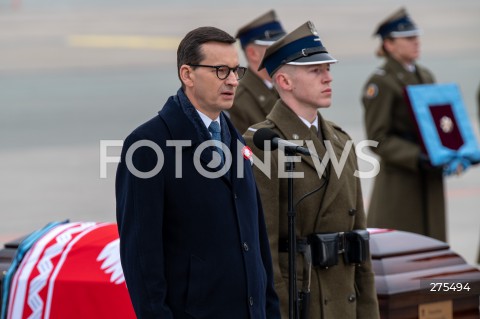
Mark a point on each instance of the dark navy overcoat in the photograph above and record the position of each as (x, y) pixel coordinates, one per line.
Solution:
(191, 246)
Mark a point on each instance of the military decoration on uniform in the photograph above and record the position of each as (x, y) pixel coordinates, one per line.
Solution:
(443, 125)
(371, 91)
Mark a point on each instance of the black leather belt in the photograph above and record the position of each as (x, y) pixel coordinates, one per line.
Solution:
(301, 247)
(302, 244)
(325, 248)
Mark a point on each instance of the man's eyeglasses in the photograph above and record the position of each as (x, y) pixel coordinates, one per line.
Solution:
(223, 71)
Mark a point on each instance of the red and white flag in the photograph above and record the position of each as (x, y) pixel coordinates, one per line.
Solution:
(73, 271)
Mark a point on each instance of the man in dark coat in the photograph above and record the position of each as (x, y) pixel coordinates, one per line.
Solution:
(408, 193)
(331, 203)
(193, 241)
(255, 95)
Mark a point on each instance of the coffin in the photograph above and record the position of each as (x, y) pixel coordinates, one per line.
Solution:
(420, 277)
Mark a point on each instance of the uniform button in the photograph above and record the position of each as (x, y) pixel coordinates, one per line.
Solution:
(245, 246)
(250, 301)
(235, 196)
(352, 211)
(352, 298)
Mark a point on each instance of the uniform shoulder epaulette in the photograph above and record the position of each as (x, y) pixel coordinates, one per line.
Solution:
(380, 72)
(336, 126)
(265, 124)
(339, 130)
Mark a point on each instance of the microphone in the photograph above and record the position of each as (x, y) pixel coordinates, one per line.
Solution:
(266, 134)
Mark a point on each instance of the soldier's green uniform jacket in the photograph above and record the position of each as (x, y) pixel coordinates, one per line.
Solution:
(253, 101)
(341, 291)
(406, 196)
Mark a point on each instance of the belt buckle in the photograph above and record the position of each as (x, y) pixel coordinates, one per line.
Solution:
(301, 245)
(341, 242)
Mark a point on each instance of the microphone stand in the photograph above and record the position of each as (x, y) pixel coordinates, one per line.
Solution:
(292, 240)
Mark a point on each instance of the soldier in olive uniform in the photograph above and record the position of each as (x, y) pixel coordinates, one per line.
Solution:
(300, 68)
(408, 193)
(255, 95)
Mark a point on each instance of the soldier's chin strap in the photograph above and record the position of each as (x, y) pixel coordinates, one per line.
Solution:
(304, 53)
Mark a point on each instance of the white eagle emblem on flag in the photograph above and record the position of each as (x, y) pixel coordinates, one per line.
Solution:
(110, 256)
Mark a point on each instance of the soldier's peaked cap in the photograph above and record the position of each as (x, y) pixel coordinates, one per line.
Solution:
(263, 30)
(397, 25)
(300, 47)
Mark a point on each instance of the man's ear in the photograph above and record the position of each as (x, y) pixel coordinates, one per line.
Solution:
(186, 75)
(251, 53)
(388, 44)
(255, 53)
(283, 80)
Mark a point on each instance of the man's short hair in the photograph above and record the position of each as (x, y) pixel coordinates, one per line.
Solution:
(190, 48)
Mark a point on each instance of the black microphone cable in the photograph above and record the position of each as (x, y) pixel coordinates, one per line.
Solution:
(326, 179)
(266, 134)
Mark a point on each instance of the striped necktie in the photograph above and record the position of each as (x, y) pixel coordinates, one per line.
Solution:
(214, 128)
